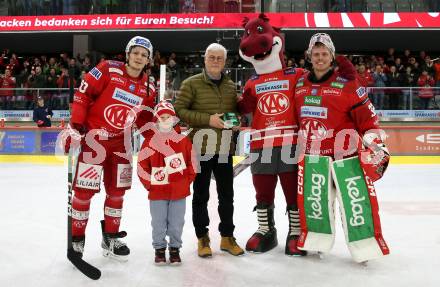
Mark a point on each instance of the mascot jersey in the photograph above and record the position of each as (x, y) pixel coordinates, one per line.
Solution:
(332, 112)
(109, 99)
(274, 122)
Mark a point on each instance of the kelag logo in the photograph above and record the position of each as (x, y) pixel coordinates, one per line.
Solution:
(312, 101)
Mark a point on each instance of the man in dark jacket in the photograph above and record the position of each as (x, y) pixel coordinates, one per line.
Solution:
(203, 100)
(42, 114)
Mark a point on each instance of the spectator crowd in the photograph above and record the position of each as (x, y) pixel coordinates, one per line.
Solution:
(390, 77)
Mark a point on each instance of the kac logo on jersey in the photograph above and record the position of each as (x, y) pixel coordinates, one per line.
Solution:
(272, 86)
(119, 116)
(159, 175)
(313, 130)
(313, 112)
(132, 87)
(126, 97)
(95, 73)
(175, 163)
(273, 104)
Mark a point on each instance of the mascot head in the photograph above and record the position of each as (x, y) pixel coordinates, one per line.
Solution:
(262, 45)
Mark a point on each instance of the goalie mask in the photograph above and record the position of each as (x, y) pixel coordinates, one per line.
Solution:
(324, 39)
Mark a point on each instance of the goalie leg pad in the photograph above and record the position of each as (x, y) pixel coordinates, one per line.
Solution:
(359, 210)
(316, 204)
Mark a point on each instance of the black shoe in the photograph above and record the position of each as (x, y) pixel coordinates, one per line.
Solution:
(175, 256)
(160, 258)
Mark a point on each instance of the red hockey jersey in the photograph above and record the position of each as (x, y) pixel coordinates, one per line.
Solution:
(166, 165)
(110, 100)
(332, 114)
(270, 97)
(7, 83)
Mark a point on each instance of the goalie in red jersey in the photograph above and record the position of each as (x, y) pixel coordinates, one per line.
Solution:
(112, 98)
(344, 154)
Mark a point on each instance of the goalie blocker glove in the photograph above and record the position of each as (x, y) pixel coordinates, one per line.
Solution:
(375, 157)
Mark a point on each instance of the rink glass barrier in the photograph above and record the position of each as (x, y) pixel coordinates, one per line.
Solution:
(389, 102)
(19, 135)
(420, 140)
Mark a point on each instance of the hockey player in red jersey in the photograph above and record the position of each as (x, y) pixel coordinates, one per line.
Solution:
(338, 124)
(328, 102)
(112, 98)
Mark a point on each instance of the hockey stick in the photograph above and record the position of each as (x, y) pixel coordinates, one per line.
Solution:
(85, 268)
(241, 166)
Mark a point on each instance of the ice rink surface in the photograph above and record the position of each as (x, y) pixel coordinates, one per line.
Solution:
(33, 238)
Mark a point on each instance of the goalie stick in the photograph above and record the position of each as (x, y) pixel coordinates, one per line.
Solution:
(85, 268)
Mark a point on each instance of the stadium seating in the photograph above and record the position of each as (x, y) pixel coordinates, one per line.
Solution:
(418, 6)
(299, 5)
(388, 6)
(315, 6)
(373, 6)
(403, 6)
(284, 6)
(357, 6)
(247, 6)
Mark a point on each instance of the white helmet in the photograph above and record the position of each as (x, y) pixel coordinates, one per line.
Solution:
(141, 42)
(323, 38)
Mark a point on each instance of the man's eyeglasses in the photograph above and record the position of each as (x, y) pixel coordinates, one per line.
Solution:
(214, 58)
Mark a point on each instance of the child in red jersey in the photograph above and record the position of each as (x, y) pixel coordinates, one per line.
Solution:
(165, 168)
